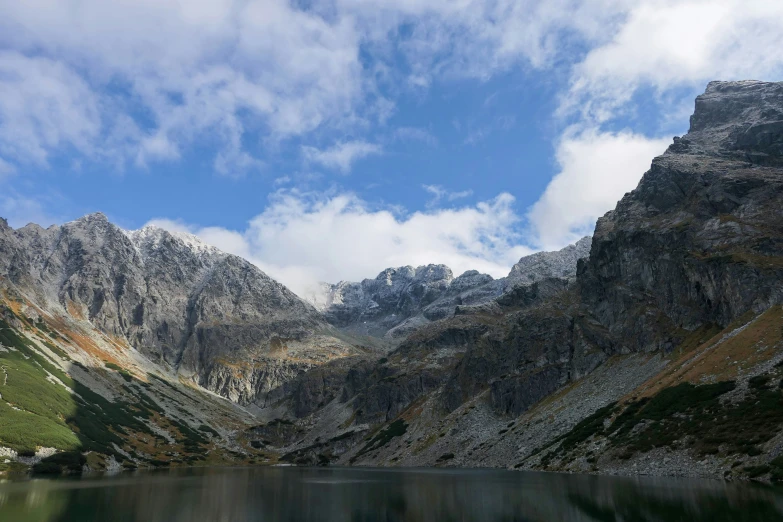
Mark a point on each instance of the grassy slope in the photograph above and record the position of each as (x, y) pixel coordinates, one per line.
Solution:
(42, 406)
(722, 398)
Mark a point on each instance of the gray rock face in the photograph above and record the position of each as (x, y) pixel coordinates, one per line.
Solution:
(739, 120)
(695, 247)
(400, 300)
(214, 317)
(542, 265)
(376, 305)
(700, 240)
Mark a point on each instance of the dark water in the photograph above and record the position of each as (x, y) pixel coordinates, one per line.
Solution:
(339, 494)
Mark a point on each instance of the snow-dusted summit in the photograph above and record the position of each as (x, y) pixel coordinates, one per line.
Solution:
(213, 317)
(399, 300)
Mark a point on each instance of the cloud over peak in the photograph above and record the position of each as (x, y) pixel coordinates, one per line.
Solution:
(303, 238)
(138, 83)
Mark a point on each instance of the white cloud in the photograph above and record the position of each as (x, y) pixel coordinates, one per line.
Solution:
(439, 193)
(221, 68)
(596, 170)
(342, 155)
(21, 210)
(668, 44)
(192, 69)
(165, 73)
(672, 47)
(44, 107)
(301, 239)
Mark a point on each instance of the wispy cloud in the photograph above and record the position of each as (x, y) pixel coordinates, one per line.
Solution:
(342, 155)
(439, 194)
(675, 44)
(478, 134)
(142, 82)
(21, 210)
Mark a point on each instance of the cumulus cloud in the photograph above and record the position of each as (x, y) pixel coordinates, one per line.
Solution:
(675, 44)
(168, 73)
(342, 155)
(672, 48)
(181, 71)
(596, 170)
(301, 239)
(44, 107)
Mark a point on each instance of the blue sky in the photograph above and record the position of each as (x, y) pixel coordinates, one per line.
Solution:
(327, 140)
(466, 136)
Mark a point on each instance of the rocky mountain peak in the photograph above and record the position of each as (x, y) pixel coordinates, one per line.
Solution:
(152, 237)
(93, 218)
(741, 119)
(399, 300)
(425, 273)
(181, 303)
(542, 265)
(712, 203)
(431, 273)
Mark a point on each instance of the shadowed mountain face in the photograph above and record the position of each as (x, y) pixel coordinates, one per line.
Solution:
(700, 240)
(212, 317)
(677, 299)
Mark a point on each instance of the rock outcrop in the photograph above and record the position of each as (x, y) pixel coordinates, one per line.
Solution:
(700, 240)
(681, 288)
(213, 317)
(400, 300)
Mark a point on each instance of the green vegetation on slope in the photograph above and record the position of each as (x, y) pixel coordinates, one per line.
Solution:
(688, 417)
(33, 409)
(41, 406)
(383, 437)
(125, 374)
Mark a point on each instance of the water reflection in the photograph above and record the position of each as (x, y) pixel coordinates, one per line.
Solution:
(337, 494)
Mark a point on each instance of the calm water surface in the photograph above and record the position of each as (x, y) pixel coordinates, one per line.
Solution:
(339, 494)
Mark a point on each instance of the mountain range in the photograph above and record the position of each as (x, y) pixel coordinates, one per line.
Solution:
(652, 347)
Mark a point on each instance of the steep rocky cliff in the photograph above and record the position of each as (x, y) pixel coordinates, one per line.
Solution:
(400, 300)
(648, 362)
(212, 317)
(699, 240)
(661, 352)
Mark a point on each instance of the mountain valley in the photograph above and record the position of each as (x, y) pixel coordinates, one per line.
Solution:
(654, 346)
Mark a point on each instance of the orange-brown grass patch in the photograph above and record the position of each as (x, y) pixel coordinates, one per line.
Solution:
(74, 310)
(277, 346)
(14, 305)
(84, 342)
(723, 360)
(118, 342)
(414, 410)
